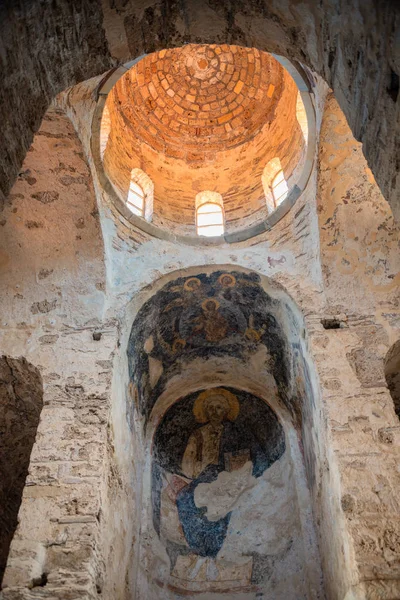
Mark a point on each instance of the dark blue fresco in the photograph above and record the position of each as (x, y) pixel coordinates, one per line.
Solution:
(182, 328)
(256, 430)
(204, 537)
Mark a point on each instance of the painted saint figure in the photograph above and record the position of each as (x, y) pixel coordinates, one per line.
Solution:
(203, 447)
(211, 323)
(220, 462)
(214, 448)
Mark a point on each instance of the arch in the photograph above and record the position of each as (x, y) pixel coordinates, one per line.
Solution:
(264, 224)
(270, 172)
(52, 200)
(140, 194)
(341, 163)
(200, 331)
(209, 214)
(116, 36)
(21, 401)
(392, 374)
(174, 366)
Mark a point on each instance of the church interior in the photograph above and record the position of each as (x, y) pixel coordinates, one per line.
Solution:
(199, 282)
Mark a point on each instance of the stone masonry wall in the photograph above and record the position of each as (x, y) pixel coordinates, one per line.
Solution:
(360, 265)
(21, 400)
(53, 305)
(354, 46)
(83, 471)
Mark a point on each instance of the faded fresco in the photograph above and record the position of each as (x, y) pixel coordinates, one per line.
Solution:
(224, 506)
(215, 314)
(211, 454)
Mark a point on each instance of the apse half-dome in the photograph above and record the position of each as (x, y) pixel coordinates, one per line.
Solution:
(220, 119)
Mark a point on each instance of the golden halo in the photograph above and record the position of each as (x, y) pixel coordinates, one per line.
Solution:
(213, 301)
(201, 403)
(178, 344)
(227, 280)
(191, 284)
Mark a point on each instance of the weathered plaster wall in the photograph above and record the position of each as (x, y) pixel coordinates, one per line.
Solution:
(354, 46)
(21, 400)
(53, 300)
(364, 433)
(360, 266)
(359, 240)
(79, 383)
(250, 342)
(392, 374)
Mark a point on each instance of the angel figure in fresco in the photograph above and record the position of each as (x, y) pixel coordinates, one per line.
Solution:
(211, 323)
(219, 463)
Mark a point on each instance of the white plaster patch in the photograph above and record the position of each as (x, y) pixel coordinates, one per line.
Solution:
(221, 496)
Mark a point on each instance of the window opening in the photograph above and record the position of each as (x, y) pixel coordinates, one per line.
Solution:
(279, 188)
(209, 213)
(140, 194)
(210, 219)
(135, 199)
(301, 116)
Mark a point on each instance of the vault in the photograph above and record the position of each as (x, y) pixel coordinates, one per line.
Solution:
(220, 382)
(222, 314)
(192, 129)
(325, 36)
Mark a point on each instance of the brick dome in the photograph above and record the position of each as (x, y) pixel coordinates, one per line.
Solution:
(192, 101)
(203, 118)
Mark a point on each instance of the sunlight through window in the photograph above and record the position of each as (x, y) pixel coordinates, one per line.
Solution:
(209, 214)
(135, 201)
(279, 188)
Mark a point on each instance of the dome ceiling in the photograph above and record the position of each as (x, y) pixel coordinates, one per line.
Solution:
(202, 118)
(200, 99)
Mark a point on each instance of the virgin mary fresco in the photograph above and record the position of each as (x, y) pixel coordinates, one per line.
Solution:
(221, 459)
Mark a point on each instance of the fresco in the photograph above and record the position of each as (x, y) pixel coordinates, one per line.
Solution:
(210, 452)
(207, 315)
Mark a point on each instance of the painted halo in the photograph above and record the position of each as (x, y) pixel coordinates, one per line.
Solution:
(227, 280)
(199, 408)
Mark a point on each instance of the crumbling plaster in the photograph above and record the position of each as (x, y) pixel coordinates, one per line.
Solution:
(82, 383)
(53, 300)
(354, 46)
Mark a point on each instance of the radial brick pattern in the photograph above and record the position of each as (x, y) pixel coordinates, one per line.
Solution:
(200, 98)
(202, 118)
